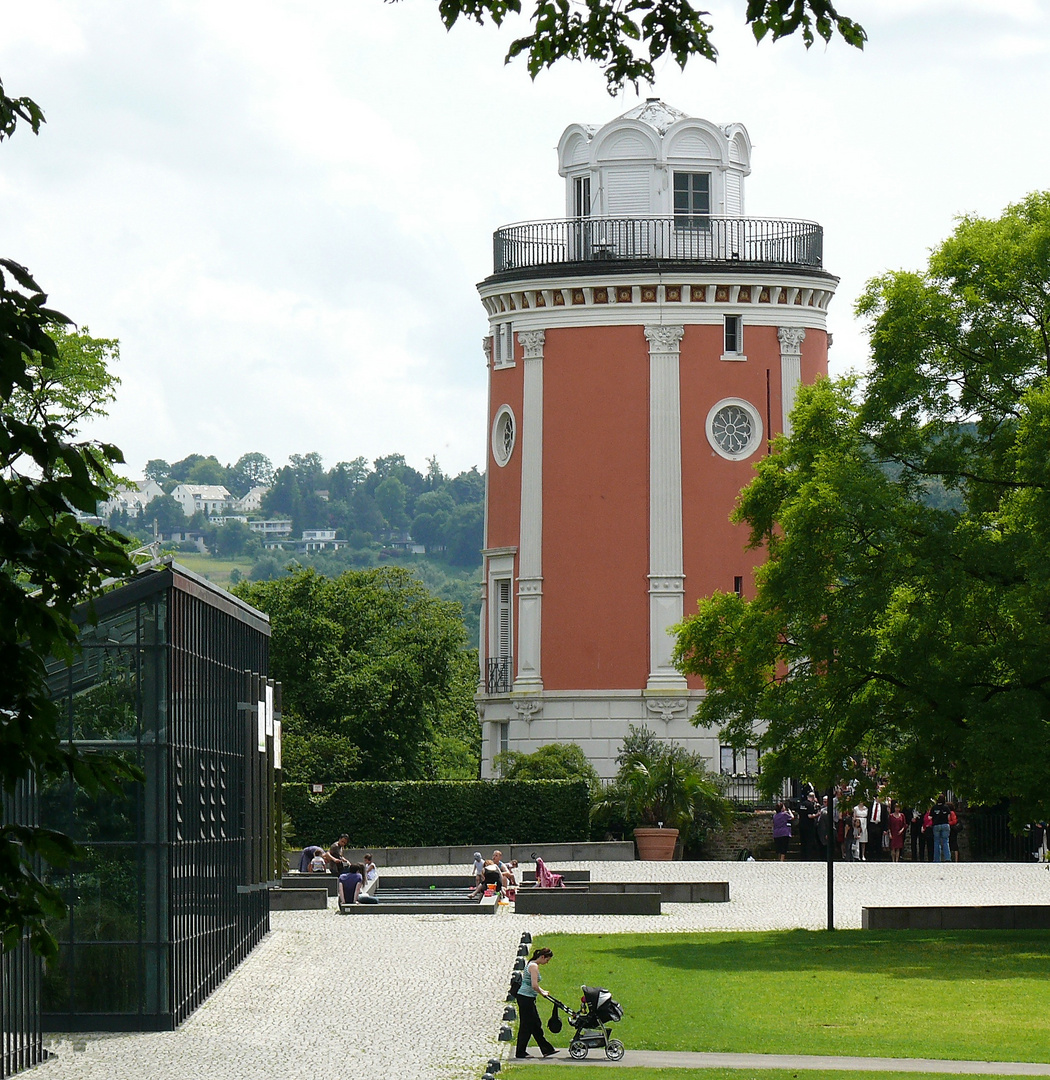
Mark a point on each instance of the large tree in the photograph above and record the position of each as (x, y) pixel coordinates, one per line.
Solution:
(887, 622)
(372, 670)
(49, 562)
(627, 37)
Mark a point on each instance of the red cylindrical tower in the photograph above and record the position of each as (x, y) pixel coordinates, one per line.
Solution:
(643, 351)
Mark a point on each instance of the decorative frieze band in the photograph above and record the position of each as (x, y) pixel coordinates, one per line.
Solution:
(756, 294)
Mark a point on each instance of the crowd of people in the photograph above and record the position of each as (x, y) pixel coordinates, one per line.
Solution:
(494, 875)
(358, 881)
(867, 829)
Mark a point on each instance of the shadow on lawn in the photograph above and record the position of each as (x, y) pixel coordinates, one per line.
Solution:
(946, 954)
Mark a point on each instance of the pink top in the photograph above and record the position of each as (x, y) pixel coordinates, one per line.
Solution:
(545, 879)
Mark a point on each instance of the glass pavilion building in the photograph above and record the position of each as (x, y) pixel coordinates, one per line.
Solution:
(171, 892)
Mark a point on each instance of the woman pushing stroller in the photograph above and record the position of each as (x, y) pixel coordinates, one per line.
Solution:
(529, 1024)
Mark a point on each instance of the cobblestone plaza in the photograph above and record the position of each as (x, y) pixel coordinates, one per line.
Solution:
(420, 997)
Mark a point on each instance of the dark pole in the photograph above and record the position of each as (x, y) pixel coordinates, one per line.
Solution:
(832, 830)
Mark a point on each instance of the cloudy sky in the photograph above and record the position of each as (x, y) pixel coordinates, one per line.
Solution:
(281, 207)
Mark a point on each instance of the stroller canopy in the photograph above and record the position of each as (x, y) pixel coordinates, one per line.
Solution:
(600, 1002)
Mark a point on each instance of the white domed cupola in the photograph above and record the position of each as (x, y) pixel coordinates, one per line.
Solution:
(654, 161)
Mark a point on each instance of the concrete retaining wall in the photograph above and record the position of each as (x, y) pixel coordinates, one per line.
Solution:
(552, 854)
(991, 917)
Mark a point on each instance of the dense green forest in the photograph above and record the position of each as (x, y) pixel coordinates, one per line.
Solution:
(373, 507)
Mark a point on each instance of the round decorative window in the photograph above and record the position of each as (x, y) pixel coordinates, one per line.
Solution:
(734, 428)
(504, 431)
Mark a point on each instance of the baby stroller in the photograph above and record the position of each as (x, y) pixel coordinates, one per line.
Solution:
(597, 1011)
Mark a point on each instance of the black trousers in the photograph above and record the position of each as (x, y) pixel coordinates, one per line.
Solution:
(530, 1026)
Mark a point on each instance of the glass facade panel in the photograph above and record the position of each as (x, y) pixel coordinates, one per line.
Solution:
(106, 978)
(171, 892)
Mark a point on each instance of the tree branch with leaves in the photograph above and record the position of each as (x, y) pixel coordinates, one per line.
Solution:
(627, 38)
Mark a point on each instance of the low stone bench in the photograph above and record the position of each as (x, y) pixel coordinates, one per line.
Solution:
(575, 876)
(671, 892)
(311, 881)
(298, 899)
(990, 917)
(423, 906)
(577, 901)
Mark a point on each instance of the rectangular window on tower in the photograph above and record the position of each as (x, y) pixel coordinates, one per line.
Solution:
(734, 338)
(503, 345)
(500, 660)
(581, 196)
(692, 200)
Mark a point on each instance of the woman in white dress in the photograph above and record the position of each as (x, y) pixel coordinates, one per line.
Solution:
(860, 829)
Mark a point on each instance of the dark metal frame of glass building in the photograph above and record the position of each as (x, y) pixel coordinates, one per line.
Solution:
(172, 892)
(22, 1041)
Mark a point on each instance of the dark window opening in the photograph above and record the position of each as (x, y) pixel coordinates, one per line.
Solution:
(692, 200)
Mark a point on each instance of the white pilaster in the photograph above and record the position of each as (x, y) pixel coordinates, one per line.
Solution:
(530, 562)
(666, 577)
(483, 633)
(790, 369)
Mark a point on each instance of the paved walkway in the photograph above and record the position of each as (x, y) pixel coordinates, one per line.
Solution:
(420, 997)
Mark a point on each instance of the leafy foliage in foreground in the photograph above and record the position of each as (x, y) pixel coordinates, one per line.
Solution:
(886, 625)
(49, 562)
(626, 38)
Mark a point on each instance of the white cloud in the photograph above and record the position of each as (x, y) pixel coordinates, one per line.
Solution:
(282, 208)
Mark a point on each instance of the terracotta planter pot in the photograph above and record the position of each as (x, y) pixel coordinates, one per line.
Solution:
(656, 845)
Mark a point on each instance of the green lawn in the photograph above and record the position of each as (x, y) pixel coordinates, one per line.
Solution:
(981, 995)
(562, 1072)
(213, 568)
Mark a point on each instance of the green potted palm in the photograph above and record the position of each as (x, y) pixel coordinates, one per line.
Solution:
(661, 792)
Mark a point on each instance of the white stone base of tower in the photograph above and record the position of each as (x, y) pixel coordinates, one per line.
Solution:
(596, 720)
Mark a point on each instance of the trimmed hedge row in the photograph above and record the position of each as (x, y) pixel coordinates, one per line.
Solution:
(416, 813)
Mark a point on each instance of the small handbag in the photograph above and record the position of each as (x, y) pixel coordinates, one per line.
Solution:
(554, 1023)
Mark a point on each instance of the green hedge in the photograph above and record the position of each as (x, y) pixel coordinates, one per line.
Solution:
(425, 813)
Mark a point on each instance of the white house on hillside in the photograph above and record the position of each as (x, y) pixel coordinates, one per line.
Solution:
(272, 527)
(204, 498)
(251, 502)
(131, 500)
